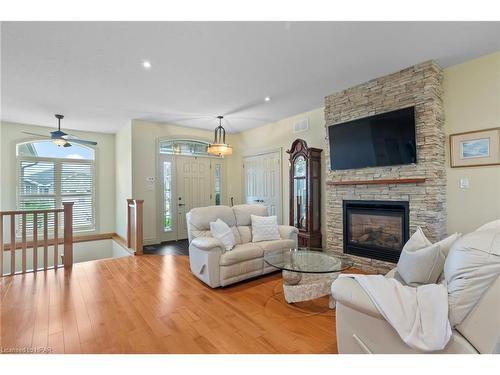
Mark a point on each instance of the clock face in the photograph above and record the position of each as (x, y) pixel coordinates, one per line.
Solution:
(299, 169)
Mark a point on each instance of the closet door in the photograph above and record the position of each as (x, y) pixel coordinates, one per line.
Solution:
(263, 181)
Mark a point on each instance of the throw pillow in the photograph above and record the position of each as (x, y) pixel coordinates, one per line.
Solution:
(422, 266)
(420, 262)
(223, 233)
(417, 241)
(265, 228)
(495, 225)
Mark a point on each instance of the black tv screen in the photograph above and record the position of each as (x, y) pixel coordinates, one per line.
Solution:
(380, 140)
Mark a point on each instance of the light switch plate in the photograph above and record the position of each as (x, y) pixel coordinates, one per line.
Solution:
(464, 183)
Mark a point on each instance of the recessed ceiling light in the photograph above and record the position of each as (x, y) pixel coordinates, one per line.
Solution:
(267, 99)
(146, 65)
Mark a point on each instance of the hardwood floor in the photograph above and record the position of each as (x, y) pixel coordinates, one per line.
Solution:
(180, 247)
(153, 304)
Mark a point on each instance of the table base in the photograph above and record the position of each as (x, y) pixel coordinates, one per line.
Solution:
(300, 287)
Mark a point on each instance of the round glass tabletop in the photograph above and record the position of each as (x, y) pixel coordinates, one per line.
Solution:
(307, 260)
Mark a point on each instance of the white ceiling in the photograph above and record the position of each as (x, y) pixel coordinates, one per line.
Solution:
(92, 72)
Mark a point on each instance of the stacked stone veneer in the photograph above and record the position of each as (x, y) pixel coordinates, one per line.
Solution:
(419, 86)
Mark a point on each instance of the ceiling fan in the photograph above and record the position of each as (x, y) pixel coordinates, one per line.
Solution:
(61, 138)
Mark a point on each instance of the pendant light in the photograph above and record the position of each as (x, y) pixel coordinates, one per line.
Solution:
(219, 147)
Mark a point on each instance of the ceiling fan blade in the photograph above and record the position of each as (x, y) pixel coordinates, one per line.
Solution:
(69, 136)
(38, 135)
(82, 141)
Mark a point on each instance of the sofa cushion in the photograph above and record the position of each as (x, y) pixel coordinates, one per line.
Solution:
(265, 228)
(242, 213)
(288, 232)
(201, 217)
(472, 265)
(241, 253)
(276, 245)
(245, 233)
(236, 235)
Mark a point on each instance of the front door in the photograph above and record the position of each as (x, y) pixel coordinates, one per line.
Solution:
(193, 188)
(263, 181)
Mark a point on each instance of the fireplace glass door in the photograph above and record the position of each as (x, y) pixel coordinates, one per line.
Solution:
(376, 229)
(372, 230)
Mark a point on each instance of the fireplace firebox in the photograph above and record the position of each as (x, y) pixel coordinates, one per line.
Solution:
(375, 229)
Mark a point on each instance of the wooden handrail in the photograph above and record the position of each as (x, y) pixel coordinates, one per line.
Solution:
(14, 245)
(135, 211)
(8, 213)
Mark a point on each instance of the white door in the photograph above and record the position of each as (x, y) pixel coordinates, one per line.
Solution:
(263, 181)
(193, 188)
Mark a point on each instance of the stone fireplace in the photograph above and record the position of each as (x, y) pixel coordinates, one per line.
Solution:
(422, 185)
(375, 229)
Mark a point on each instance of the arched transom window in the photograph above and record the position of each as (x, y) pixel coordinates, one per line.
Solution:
(184, 147)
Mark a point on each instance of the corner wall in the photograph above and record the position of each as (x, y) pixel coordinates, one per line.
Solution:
(472, 102)
(123, 176)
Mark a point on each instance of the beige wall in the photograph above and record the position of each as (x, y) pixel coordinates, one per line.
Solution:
(472, 102)
(280, 135)
(123, 176)
(11, 134)
(145, 138)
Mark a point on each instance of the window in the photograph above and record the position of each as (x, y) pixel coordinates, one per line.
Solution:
(167, 196)
(49, 175)
(184, 147)
(218, 183)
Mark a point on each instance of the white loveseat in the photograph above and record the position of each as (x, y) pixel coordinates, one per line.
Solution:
(207, 257)
(362, 329)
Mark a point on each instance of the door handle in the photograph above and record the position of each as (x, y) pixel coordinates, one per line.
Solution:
(181, 204)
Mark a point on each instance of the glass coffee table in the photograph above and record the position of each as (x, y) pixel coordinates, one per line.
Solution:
(308, 273)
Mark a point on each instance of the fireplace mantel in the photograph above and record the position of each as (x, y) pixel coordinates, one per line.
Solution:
(378, 182)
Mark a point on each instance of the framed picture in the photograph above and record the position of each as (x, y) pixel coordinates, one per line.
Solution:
(475, 148)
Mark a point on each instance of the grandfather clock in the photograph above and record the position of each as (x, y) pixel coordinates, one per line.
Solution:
(305, 192)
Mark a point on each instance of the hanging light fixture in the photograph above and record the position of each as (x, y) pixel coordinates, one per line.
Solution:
(219, 147)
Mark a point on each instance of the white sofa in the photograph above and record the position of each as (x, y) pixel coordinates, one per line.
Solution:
(362, 329)
(217, 267)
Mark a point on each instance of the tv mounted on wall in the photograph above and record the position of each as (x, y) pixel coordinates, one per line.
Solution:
(380, 140)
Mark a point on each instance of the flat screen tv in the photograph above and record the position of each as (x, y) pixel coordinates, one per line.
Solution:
(380, 140)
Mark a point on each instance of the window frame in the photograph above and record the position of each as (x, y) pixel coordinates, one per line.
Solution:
(58, 196)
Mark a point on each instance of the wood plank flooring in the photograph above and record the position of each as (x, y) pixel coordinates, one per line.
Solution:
(153, 304)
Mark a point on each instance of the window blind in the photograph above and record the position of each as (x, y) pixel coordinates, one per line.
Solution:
(45, 184)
